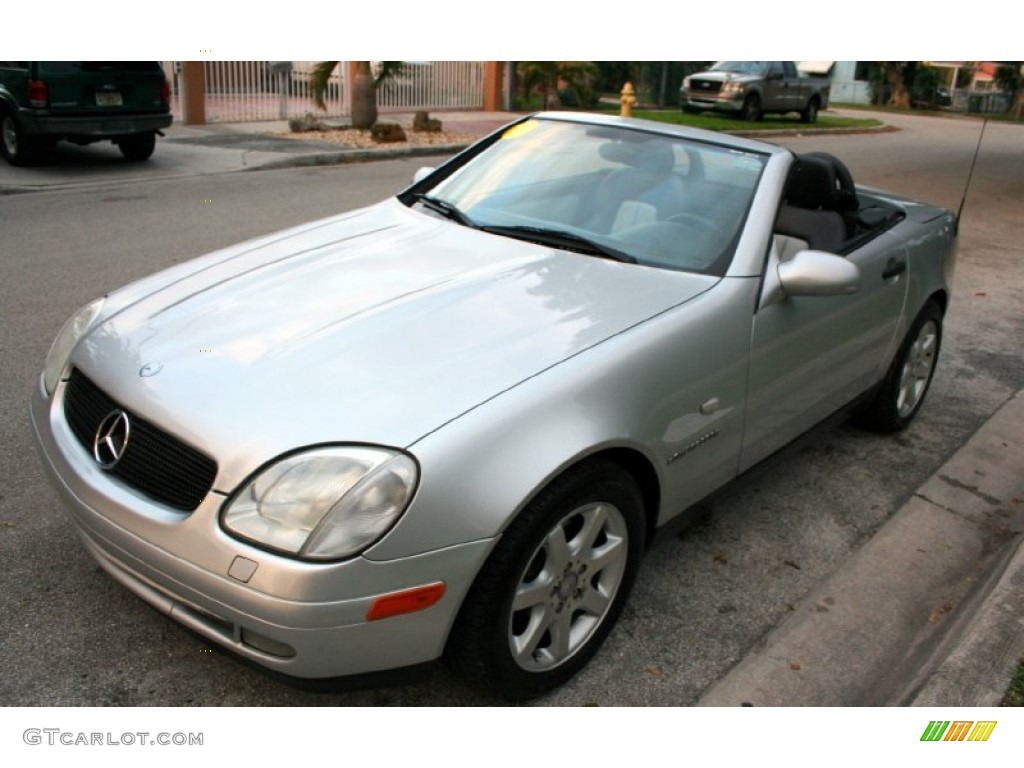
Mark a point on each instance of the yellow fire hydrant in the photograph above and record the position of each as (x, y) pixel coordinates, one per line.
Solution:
(628, 99)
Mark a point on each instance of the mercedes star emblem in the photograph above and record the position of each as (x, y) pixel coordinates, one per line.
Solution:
(111, 439)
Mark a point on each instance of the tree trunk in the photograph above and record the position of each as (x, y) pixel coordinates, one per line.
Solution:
(899, 95)
(364, 102)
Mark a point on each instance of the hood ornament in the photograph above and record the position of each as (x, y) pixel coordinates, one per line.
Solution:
(150, 369)
(111, 439)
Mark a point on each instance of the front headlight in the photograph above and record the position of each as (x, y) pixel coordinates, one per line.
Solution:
(73, 330)
(733, 87)
(324, 504)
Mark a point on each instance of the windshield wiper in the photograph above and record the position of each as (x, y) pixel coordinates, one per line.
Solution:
(446, 209)
(561, 239)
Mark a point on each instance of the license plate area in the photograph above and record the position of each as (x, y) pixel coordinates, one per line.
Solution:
(109, 99)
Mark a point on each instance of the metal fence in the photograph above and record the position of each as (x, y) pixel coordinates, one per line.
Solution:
(434, 85)
(243, 91)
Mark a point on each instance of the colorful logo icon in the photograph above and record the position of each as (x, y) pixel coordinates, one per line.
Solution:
(959, 730)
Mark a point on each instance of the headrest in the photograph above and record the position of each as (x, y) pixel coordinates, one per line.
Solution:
(820, 181)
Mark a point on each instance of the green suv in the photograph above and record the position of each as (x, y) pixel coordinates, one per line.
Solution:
(42, 102)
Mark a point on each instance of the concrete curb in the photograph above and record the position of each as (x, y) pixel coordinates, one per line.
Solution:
(982, 650)
(344, 156)
(768, 134)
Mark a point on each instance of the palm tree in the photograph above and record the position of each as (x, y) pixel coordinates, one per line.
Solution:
(364, 88)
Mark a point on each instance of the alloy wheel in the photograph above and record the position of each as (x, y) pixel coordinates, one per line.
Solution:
(568, 586)
(917, 369)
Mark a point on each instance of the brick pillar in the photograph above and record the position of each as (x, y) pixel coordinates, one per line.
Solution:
(193, 95)
(350, 83)
(493, 71)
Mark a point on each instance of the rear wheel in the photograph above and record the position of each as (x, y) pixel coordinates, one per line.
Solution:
(906, 384)
(137, 148)
(554, 586)
(810, 114)
(16, 147)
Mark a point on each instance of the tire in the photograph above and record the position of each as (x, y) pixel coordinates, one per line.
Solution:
(554, 585)
(810, 115)
(751, 108)
(16, 147)
(903, 390)
(137, 148)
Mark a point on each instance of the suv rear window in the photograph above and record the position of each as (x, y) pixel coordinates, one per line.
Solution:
(63, 67)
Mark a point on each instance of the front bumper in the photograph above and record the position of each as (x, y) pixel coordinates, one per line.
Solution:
(732, 102)
(95, 127)
(304, 620)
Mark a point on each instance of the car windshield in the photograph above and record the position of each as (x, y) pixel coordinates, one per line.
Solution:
(741, 67)
(656, 200)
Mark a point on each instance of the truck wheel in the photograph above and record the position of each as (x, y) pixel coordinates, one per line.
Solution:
(810, 114)
(751, 108)
(16, 147)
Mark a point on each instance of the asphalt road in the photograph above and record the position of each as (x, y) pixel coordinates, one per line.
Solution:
(70, 636)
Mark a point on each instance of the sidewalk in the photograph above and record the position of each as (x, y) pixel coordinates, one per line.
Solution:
(266, 144)
(928, 612)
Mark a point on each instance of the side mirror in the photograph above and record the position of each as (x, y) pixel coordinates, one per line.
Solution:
(422, 173)
(816, 273)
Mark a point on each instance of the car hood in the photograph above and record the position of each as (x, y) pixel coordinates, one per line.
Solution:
(377, 327)
(722, 76)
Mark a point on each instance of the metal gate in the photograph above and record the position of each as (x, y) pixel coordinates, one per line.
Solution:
(243, 91)
(434, 85)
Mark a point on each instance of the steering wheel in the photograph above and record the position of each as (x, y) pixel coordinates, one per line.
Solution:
(701, 222)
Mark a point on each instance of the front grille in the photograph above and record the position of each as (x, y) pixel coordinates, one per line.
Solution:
(705, 86)
(154, 462)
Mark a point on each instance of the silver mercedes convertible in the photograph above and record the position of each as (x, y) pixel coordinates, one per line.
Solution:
(448, 424)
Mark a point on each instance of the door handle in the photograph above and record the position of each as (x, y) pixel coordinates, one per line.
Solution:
(894, 268)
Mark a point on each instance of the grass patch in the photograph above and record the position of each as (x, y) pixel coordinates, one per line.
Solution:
(714, 122)
(1015, 693)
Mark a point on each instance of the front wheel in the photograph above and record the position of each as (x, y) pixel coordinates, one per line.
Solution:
(903, 390)
(554, 586)
(751, 108)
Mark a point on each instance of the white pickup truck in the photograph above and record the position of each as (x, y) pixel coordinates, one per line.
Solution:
(752, 88)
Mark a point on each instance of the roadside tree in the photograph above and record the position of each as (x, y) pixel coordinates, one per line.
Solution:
(364, 88)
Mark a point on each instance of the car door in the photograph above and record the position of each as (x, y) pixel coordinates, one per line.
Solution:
(810, 355)
(795, 89)
(775, 97)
